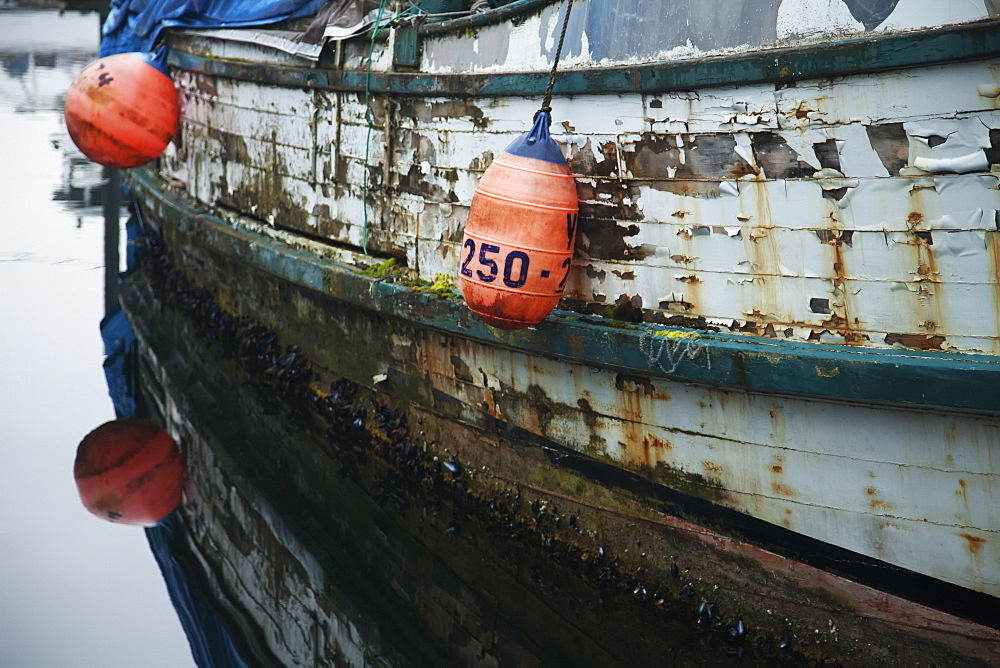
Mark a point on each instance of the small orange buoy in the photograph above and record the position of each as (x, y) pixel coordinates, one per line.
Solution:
(520, 233)
(129, 472)
(122, 110)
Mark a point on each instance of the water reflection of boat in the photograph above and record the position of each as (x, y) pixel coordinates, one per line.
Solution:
(38, 59)
(306, 555)
(82, 182)
(784, 316)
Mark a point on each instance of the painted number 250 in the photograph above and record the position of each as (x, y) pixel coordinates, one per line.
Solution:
(520, 258)
(516, 265)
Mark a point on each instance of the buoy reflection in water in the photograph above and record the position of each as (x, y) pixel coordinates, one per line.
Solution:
(129, 472)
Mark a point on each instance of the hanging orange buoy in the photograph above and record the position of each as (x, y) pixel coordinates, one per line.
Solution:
(519, 237)
(129, 472)
(122, 110)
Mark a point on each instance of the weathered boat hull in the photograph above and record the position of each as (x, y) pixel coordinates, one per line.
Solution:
(481, 546)
(784, 292)
(907, 486)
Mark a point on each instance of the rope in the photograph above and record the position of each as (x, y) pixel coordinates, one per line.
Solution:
(414, 8)
(413, 12)
(547, 100)
(370, 122)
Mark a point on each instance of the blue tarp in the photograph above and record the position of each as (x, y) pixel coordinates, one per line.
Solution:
(118, 337)
(118, 341)
(211, 643)
(135, 25)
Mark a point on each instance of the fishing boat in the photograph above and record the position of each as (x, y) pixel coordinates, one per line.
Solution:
(779, 334)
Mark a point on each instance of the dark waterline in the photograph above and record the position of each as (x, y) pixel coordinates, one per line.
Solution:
(75, 591)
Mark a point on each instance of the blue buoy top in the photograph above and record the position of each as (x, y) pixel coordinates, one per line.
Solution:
(538, 143)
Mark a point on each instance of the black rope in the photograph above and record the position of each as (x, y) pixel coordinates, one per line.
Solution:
(547, 101)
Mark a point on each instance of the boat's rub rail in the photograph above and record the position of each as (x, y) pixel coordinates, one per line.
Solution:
(939, 380)
(782, 64)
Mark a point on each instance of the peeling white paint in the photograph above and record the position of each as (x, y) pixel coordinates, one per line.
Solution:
(990, 89)
(962, 164)
(842, 229)
(913, 14)
(831, 179)
(804, 18)
(743, 148)
(527, 46)
(962, 243)
(857, 157)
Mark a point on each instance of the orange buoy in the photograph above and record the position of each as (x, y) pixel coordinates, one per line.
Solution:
(520, 234)
(129, 472)
(122, 110)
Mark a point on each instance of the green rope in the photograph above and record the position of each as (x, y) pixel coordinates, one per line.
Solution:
(370, 121)
(416, 11)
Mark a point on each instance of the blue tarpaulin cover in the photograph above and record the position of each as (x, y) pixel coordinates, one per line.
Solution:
(135, 25)
(212, 645)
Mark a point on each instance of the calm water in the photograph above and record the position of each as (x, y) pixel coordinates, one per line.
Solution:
(74, 591)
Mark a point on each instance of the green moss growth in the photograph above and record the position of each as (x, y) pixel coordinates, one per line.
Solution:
(380, 270)
(618, 324)
(443, 285)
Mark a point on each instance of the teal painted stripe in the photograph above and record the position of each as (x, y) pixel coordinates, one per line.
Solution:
(891, 376)
(857, 56)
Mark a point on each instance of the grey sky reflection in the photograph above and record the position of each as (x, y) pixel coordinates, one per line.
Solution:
(74, 591)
